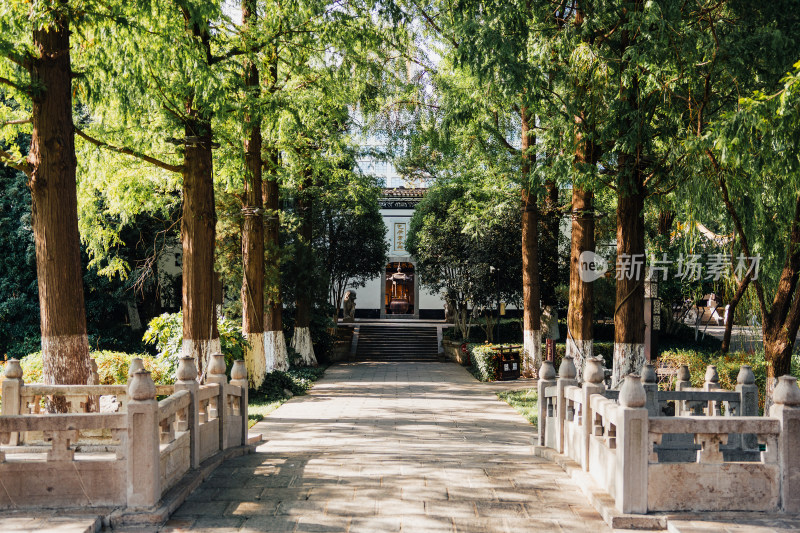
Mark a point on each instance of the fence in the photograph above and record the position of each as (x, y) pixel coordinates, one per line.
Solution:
(700, 449)
(126, 455)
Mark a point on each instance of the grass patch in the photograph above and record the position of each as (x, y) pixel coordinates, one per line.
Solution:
(278, 388)
(524, 401)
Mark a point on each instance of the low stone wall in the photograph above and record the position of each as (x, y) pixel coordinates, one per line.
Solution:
(683, 450)
(452, 351)
(127, 457)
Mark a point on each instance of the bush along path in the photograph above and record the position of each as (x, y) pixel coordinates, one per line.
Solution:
(278, 387)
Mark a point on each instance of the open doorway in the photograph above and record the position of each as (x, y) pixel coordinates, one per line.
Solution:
(399, 298)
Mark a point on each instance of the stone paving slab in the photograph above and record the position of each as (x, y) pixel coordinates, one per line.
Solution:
(391, 447)
(49, 521)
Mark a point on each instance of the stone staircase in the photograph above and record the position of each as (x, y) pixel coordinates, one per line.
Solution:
(397, 343)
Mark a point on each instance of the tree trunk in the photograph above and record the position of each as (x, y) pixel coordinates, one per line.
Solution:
(275, 351)
(198, 233)
(253, 230)
(741, 287)
(531, 318)
(301, 340)
(580, 337)
(54, 209)
(548, 246)
(629, 326)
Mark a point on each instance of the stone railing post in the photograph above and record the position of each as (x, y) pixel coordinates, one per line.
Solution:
(594, 374)
(547, 378)
(683, 381)
(786, 408)
(650, 384)
(187, 380)
(239, 378)
(566, 378)
(216, 374)
(143, 457)
(12, 389)
(712, 383)
(632, 447)
(748, 401)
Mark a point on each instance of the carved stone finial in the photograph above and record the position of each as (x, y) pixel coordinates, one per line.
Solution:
(567, 368)
(632, 393)
(13, 369)
(239, 371)
(136, 365)
(683, 373)
(649, 374)
(547, 372)
(217, 365)
(745, 376)
(187, 369)
(141, 386)
(594, 371)
(786, 392)
(711, 374)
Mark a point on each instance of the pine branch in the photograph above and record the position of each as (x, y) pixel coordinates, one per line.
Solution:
(18, 87)
(130, 152)
(10, 161)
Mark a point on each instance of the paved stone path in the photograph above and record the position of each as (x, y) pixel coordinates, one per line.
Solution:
(386, 447)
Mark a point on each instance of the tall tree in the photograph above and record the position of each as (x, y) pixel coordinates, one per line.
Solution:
(42, 67)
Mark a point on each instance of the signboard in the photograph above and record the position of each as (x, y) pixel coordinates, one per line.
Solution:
(400, 236)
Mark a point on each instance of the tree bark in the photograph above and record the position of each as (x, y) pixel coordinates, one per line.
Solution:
(548, 245)
(531, 317)
(580, 337)
(629, 326)
(253, 228)
(301, 340)
(54, 209)
(198, 233)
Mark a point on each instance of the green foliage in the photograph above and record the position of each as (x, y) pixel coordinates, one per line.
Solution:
(525, 401)
(485, 362)
(165, 332)
(455, 260)
(112, 367)
(727, 367)
(296, 380)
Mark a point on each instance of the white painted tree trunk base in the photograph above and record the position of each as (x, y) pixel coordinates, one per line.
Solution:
(255, 361)
(628, 359)
(275, 355)
(580, 350)
(532, 352)
(59, 351)
(201, 351)
(301, 343)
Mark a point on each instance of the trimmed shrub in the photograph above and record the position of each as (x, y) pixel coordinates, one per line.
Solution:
(485, 361)
(112, 367)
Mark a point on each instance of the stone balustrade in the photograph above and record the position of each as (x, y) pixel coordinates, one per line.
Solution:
(693, 449)
(54, 460)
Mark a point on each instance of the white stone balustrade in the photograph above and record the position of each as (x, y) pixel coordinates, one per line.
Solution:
(620, 439)
(148, 447)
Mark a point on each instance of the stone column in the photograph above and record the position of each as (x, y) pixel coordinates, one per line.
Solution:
(650, 384)
(748, 402)
(187, 380)
(712, 383)
(683, 382)
(12, 388)
(216, 374)
(547, 378)
(566, 378)
(632, 447)
(239, 379)
(143, 457)
(594, 375)
(786, 408)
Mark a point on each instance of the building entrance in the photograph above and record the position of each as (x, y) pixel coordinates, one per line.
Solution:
(399, 296)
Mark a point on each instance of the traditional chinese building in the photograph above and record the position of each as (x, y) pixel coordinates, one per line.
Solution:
(396, 292)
